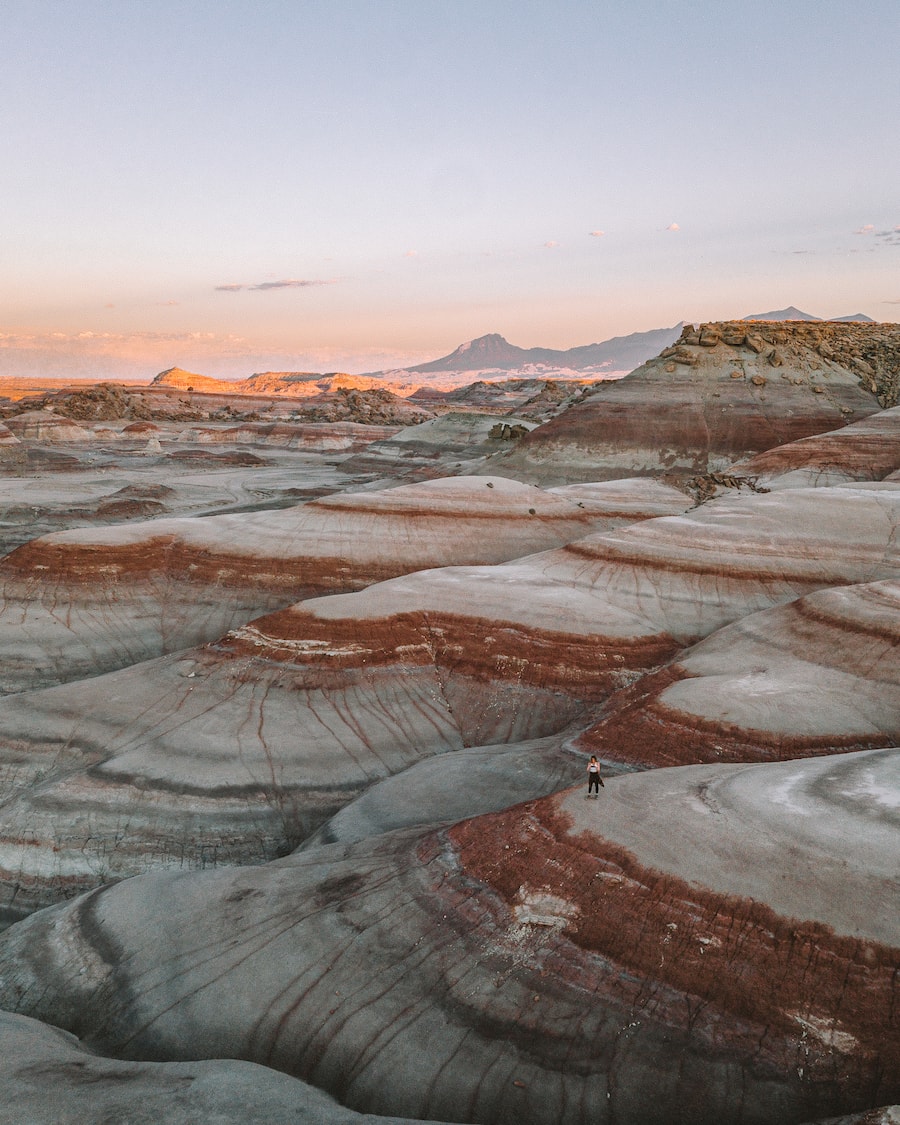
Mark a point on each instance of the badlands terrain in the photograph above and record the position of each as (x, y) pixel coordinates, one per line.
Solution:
(299, 678)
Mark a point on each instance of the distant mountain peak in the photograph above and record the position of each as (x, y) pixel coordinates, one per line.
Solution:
(494, 351)
(491, 340)
(793, 313)
(790, 313)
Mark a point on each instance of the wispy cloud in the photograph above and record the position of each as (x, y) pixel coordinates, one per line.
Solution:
(673, 227)
(286, 283)
(551, 245)
(597, 233)
(411, 254)
(113, 341)
(890, 237)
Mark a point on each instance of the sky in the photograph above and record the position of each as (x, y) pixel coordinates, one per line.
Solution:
(233, 186)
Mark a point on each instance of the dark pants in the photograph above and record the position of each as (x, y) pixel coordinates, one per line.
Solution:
(594, 782)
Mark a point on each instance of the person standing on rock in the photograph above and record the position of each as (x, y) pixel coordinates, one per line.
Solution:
(594, 778)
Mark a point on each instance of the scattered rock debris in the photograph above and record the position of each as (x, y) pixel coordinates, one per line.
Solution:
(706, 486)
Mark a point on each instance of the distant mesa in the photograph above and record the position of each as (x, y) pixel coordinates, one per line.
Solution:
(491, 353)
(188, 380)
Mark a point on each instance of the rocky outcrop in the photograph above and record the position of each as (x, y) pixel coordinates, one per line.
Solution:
(814, 676)
(377, 406)
(104, 402)
(722, 393)
(647, 957)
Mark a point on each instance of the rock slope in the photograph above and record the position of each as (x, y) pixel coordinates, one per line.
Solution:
(642, 959)
(821, 673)
(80, 602)
(48, 1078)
(723, 392)
(866, 450)
(236, 751)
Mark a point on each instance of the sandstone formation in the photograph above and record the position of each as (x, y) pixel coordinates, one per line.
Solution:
(641, 959)
(291, 384)
(135, 591)
(816, 675)
(723, 392)
(43, 489)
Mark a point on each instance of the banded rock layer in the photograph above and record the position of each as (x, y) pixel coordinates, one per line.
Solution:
(84, 601)
(721, 393)
(868, 450)
(238, 750)
(640, 960)
(819, 674)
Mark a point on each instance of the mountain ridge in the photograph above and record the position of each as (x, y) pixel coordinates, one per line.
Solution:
(793, 313)
(494, 351)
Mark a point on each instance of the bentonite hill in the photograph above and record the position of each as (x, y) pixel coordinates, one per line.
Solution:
(299, 680)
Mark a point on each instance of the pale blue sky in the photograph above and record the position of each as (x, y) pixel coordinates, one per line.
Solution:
(424, 172)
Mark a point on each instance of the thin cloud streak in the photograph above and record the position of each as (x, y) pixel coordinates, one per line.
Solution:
(287, 283)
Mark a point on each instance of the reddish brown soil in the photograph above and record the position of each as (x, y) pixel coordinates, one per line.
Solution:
(674, 951)
(587, 667)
